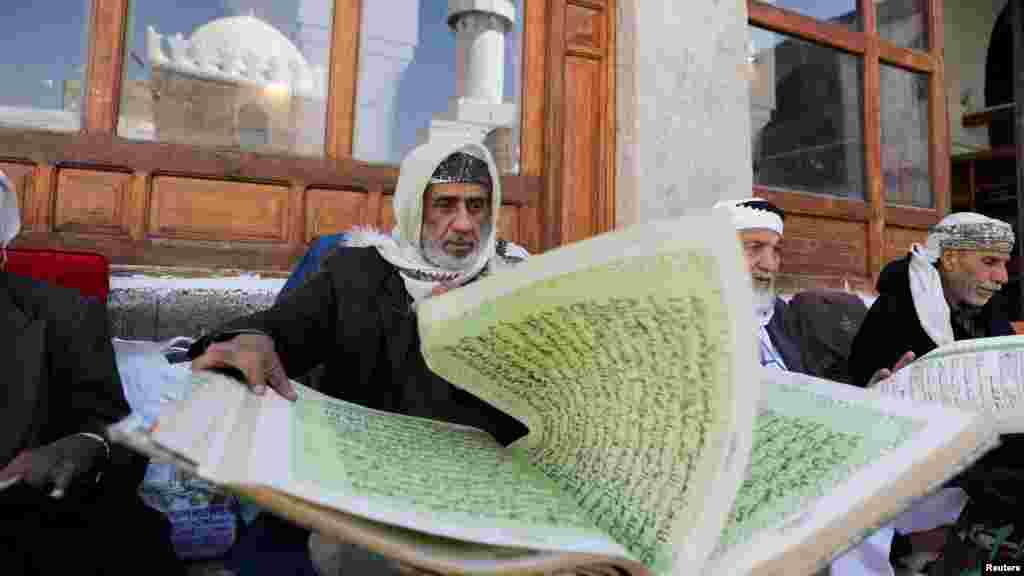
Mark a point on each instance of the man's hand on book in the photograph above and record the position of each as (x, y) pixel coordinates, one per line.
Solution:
(254, 356)
(55, 466)
(884, 373)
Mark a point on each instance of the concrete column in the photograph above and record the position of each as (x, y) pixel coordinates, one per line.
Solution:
(684, 123)
(480, 49)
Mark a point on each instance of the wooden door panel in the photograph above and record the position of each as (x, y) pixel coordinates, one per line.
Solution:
(334, 211)
(191, 208)
(93, 202)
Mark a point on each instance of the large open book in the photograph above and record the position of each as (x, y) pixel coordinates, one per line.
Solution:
(656, 443)
(984, 375)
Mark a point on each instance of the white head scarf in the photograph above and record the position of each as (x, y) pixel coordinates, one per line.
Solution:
(964, 231)
(10, 217)
(750, 214)
(403, 247)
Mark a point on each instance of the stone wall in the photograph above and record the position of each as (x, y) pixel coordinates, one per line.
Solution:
(148, 307)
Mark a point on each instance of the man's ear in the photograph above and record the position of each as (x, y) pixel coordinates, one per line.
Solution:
(949, 261)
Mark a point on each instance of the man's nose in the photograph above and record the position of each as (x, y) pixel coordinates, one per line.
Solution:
(463, 221)
(1000, 275)
(768, 261)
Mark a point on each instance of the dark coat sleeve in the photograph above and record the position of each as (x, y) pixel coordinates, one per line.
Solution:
(303, 324)
(84, 360)
(879, 342)
(84, 388)
(83, 352)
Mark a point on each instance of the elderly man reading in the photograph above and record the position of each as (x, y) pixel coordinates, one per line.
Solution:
(759, 225)
(356, 315)
(944, 291)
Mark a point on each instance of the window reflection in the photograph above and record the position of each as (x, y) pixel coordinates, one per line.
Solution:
(43, 63)
(905, 169)
(408, 75)
(904, 22)
(236, 73)
(844, 12)
(806, 112)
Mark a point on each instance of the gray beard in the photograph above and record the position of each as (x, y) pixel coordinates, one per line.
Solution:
(433, 252)
(764, 301)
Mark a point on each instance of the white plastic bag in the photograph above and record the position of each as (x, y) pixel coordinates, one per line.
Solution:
(203, 522)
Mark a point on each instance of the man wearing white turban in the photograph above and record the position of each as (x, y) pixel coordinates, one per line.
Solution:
(67, 496)
(759, 225)
(944, 291)
(356, 315)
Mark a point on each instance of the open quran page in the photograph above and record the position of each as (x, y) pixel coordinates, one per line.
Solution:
(421, 475)
(631, 359)
(984, 375)
(830, 464)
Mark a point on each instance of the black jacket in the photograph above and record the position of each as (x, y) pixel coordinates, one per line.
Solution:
(892, 327)
(59, 378)
(355, 317)
(823, 323)
(59, 373)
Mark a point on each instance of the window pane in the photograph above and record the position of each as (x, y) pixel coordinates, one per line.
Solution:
(408, 78)
(806, 116)
(904, 22)
(239, 73)
(905, 169)
(844, 12)
(42, 62)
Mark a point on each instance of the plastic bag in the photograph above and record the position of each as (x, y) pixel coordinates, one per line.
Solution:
(203, 522)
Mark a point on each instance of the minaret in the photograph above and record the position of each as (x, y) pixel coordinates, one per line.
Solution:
(480, 27)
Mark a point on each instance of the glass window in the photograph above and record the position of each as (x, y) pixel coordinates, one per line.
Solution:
(237, 73)
(806, 115)
(903, 22)
(43, 62)
(409, 75)
(905, 170)
(844, 12)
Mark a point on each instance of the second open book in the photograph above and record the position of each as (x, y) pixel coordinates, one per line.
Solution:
(656, 445)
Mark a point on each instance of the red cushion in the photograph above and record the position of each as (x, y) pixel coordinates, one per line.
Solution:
(87, 272)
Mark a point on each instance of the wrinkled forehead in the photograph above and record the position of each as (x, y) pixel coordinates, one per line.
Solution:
(980, 255)
(456, 191)
(760, 235)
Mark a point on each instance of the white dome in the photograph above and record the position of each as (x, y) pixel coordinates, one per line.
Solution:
(249, 41)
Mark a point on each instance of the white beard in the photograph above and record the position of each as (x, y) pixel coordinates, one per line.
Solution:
(764, 303)
(433, 252)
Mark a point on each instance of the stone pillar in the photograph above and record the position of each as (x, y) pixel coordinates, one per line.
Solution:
(480, 27)
(684, 119)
